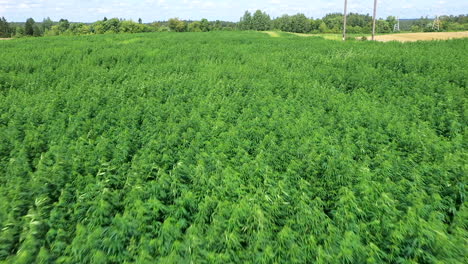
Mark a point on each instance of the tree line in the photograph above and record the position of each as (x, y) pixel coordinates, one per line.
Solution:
(259, 20)
(447, 23)
(333, 23)
(106, 26)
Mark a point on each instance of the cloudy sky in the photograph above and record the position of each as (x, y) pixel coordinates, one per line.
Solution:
(230, 10)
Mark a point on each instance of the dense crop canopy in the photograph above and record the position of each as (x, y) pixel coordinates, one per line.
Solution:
(232, 148)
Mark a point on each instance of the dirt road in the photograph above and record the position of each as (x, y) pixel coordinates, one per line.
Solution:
(409, 37)
(402, 37)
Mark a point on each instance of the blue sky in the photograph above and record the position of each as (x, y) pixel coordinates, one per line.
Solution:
(230, 10)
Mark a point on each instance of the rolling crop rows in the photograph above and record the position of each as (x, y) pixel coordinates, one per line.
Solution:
(232, 147)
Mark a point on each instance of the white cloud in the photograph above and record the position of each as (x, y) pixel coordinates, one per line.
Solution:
(150, 10)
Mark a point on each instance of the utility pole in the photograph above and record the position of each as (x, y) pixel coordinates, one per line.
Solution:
(396, 27)
(344, 19)
(436, 24)
(373, 20)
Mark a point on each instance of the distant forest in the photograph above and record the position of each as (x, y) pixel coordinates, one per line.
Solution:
(261, 21)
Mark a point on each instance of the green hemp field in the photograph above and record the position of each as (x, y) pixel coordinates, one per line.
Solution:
(232, 147)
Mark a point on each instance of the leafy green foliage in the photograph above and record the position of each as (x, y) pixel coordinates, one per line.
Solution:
(177, 25)
(232, 147)
(5, 28)
(29, 27)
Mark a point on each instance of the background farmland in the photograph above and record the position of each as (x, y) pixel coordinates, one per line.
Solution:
(232, 147)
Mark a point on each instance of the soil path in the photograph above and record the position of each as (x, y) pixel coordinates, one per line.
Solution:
(402, 37)
(272, 34)
(409, 37)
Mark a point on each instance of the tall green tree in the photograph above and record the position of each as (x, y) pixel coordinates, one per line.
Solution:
(355, 19)
(315, 24)
(112, 25)
(29, 27)
(323, 28)
(392, 21)
(79, 29)
(129, 26)
(217, 25)
(63, 25)
(334, 22)
(205, 25)
(383, 26)
(195, 27)
(47, 24)
(300, 23)
(246, 21)
(5, 30)
(261, 21)
(177, 25)
(283, 23)
(19, 32)
(37, 32)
